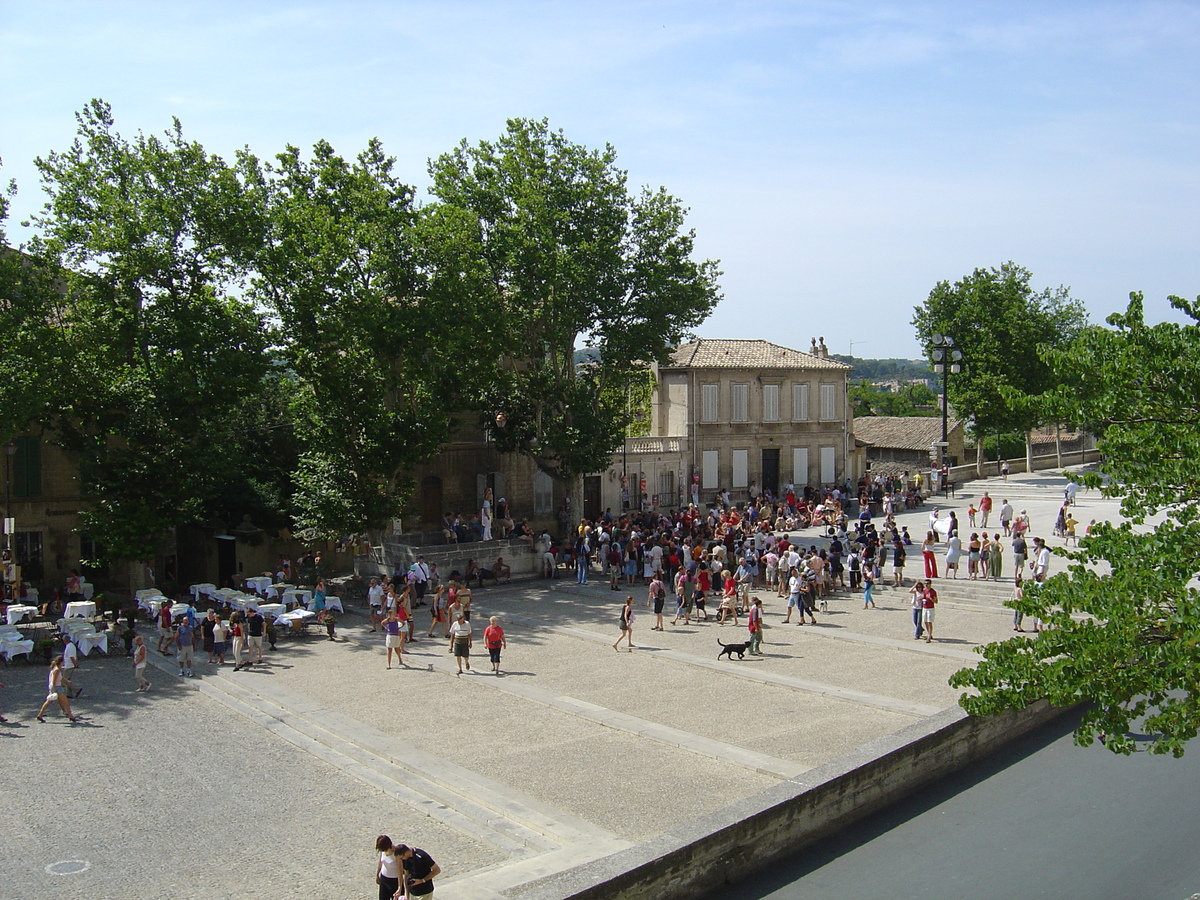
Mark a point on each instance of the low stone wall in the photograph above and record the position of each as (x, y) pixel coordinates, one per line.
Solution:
(449, 557)
(726, 846)
(991, 468)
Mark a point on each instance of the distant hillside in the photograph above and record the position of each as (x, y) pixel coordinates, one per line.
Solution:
(886, 369)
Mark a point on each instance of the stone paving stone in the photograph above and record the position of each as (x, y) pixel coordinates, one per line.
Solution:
(168, 794)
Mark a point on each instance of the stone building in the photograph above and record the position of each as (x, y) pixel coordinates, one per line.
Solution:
(898, 443)
(740, 415)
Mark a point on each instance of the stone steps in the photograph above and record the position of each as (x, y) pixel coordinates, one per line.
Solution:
(472, 803)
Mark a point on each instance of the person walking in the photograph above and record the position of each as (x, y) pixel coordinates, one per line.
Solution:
(237, 632)
(995, 557)
(460, 642)
(255, 626)
(220, 637)
(868, 588)
(392, 639)
(929, 598)
(57, 692)
(918, 606)
(626, 624)
(185, 646)
(70, 666)
(985, 509)
(754, 621)
(494, 640)
(929, 555)
(953, 555)
(1017, 597)
(1020, 551)
(139, 663)
(657, 595)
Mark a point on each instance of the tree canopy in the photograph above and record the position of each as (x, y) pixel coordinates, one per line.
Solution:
(1000, 323)
(1124, 619)
(561, 252)
(148, 240)
(286, 339)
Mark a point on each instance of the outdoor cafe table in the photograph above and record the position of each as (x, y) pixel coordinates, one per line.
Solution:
(244, 601)
(270, 609)
(17, 612)
(259, 584)
(83, 608)
(14, 646)
(88, 640)
(277, 590)
(202, 588)
(87, 589)
(330, 603)
(150, 601)
(295, 618)
(299, 596)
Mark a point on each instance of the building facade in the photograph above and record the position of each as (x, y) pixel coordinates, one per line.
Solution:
(737, 415)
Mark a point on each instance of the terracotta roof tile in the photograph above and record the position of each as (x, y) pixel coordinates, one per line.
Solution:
(901, 432)
(752, 354)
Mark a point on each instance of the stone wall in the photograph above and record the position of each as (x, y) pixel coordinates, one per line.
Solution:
(448, 557)
(724, 847)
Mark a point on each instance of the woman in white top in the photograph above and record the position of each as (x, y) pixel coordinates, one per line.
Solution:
(56, 692)
(387, 875)
(460, 642)
(139, 663)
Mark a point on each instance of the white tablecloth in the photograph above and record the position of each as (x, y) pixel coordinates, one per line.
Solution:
(80, 608)
(245, 601)
(10, 647)
(202, 589)
(270, 609)
(88, 590)
(150, 601)
(277, 590)
(299, 615)
(259, 584)
(17, 612)
(330, 603)
(88, 641)
(298, 596)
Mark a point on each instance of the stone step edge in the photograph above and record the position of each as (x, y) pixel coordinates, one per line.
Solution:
(442, 777)
(478, 823)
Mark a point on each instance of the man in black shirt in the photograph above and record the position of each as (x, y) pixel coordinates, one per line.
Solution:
(254, 630)
(419, 871)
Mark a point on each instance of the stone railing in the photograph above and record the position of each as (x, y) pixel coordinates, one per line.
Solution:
(656, 445)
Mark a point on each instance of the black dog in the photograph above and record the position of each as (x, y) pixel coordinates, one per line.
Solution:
(730, 649)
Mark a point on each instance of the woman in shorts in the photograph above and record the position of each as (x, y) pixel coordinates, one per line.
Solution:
(220, 636)
(626, 624)
(56, 692)
(460, 642)
(393, 639)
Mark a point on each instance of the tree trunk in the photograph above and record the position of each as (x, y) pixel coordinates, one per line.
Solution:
(1058, 446)
(1029, 451)
(980, 456)
(575, 492)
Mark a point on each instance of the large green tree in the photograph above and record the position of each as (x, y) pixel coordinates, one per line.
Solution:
(558, 252)
(151, 238)
(1000, 323)
(1124, 619)
(378, 355)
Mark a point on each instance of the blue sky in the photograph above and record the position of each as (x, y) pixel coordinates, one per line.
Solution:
(838, 158)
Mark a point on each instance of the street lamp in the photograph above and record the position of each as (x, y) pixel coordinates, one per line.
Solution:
(10, 450)
(946, 359)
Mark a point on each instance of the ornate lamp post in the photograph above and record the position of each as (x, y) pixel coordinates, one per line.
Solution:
(946, 359)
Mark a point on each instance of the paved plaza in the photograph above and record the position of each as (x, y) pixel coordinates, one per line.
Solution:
(278, 779)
